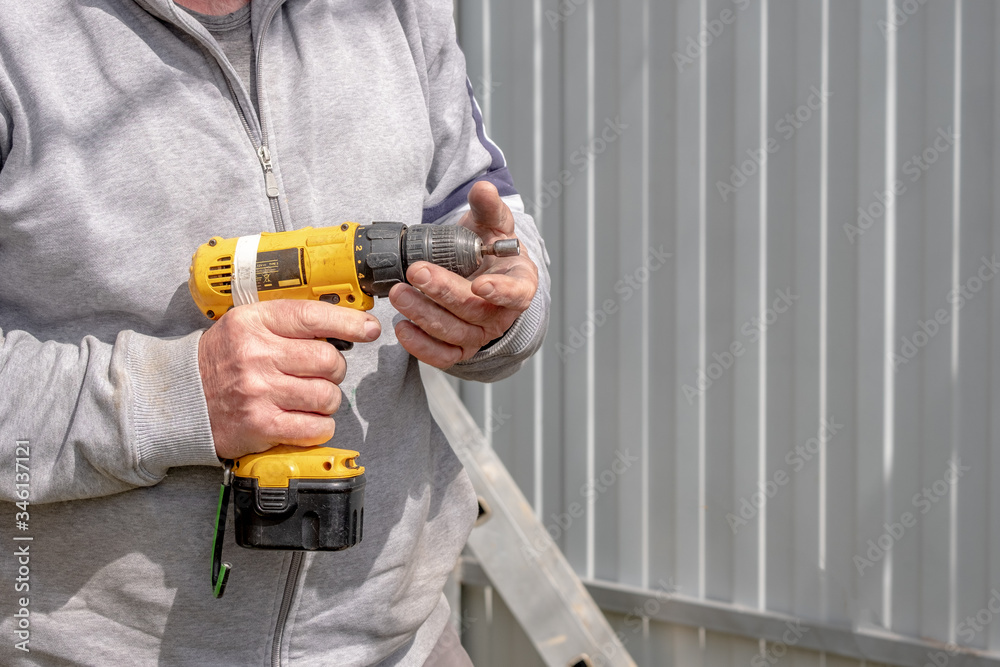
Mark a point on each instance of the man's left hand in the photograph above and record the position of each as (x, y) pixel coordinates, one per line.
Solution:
(450, 317)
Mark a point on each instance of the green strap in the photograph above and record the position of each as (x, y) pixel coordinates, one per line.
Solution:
(220, 570)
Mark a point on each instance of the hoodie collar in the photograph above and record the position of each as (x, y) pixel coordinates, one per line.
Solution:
(167, 10)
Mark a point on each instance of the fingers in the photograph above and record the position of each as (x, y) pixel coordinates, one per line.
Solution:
(310, 359)
(302, 429)
(316, 319)
(451, 318)
(307, 395)
(447, 289)
(435, 320)
(488, 216)
(427, 349)
(511, 284)
(266, 381)
(513, 289)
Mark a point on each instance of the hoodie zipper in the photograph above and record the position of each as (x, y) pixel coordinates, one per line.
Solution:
(264, 156)
(263, 152)
(286, 605)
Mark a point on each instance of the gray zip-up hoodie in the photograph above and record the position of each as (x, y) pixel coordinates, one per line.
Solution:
(126, 140)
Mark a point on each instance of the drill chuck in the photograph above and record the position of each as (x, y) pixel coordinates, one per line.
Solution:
(443, 246)
(455, 248)
(387, 249)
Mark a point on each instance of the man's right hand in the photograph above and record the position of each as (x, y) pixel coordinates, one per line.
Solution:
(268, 381)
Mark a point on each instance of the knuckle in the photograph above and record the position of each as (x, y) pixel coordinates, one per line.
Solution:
(250, 388)
(436, 328)
(236, 315)
(234, 323)
(255, 316)
(310, 318)
(433, 289)
(338, 369)
(245, 358)
(335, 398)
(321, 354)
(332, 362)
(472, 303)
(486, 335)
(334, 368)
(266, 423)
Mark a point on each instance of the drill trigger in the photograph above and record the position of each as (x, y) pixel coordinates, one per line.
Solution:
(342, 345)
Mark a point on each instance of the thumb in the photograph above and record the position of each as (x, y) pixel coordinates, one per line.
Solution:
(489, 216)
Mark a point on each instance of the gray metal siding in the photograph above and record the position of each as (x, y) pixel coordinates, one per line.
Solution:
(550, 77)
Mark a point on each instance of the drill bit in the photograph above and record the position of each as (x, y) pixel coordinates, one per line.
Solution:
(503, 248)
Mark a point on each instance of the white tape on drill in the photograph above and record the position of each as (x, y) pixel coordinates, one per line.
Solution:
(245, 270)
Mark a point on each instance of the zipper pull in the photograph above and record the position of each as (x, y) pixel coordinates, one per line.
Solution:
(269, 180)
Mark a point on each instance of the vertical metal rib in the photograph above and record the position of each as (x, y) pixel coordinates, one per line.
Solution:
(889, 390)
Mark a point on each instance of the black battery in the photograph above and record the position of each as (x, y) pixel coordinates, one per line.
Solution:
(309, 515)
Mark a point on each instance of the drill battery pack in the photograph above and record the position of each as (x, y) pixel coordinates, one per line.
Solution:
(308, 499)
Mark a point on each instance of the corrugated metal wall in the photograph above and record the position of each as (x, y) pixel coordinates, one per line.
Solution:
(825, 328)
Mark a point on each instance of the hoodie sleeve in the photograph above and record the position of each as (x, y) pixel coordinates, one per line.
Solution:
(463, 155)
(95, 419)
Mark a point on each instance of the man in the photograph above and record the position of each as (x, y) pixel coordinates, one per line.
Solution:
(131, 131)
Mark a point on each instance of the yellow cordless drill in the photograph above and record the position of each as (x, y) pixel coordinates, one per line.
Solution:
(312, 498)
